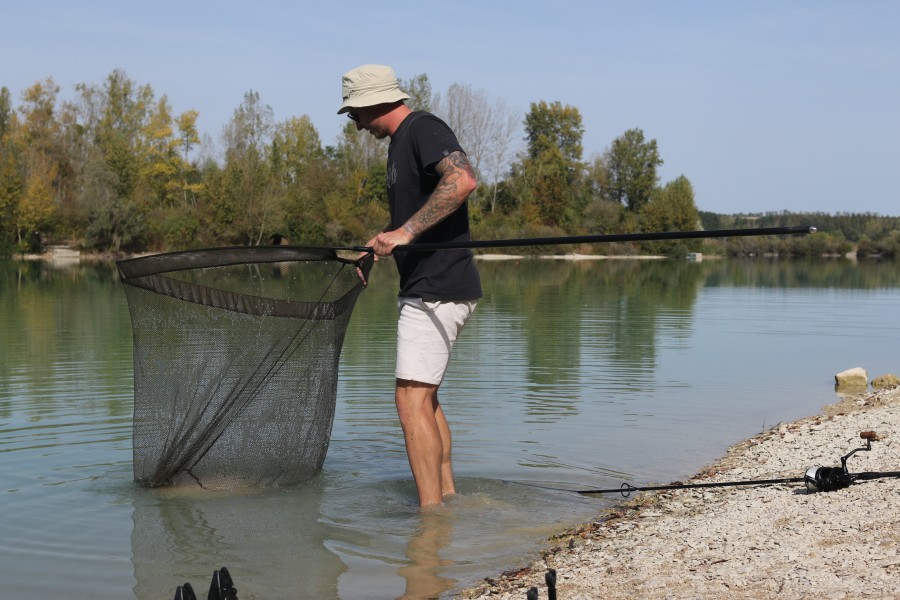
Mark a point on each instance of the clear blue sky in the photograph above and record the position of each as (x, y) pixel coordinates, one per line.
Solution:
(763, 105)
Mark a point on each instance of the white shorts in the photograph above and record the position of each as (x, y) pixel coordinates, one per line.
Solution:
(426, 332)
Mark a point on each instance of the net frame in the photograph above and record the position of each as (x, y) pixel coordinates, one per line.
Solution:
(261, 416)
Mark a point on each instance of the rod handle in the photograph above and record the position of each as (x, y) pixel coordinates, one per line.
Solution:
(869, 435)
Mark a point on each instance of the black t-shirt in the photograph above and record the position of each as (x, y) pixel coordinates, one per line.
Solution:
(422, 141)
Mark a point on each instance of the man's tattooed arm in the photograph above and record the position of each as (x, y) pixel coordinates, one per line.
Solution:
(456, 183)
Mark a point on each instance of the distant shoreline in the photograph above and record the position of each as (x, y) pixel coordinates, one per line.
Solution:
(66, 255)
(496, 257)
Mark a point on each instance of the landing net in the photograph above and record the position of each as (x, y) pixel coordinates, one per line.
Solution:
(236, 356)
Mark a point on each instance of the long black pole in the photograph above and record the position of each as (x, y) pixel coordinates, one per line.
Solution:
(626, 489)
(596, 239)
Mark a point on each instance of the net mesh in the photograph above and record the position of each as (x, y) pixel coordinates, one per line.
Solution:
(236, 356)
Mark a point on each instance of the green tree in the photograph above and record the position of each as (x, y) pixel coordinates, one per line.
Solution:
(188, 137)
(356, 207)
(550, 186)
(302, 180)
(632, 163)
(6, 111)
(125, 109)
(671, 208)
(218, 208)
(418, 88)
(248, 139)
(295, 148)
(11, 182)
(601, 214)
(161, 163)
(37, 205)
(109, 124)
(357, 151)
(170, 179)
(553, 125)
(114, 223)
(42, 156)
(551, 170)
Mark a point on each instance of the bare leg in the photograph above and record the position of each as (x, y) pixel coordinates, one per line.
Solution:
(447, 486)
(427, 439)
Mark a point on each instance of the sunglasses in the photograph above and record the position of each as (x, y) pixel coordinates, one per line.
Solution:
(353, 116)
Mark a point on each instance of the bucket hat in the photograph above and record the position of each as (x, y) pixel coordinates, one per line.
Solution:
(369, 85)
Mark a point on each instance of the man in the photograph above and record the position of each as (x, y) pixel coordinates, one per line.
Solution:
(428, 181)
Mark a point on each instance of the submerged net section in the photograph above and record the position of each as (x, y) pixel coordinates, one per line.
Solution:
(236, 356)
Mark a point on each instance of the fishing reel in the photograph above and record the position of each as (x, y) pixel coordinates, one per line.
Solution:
(829, 479)
(817, 479)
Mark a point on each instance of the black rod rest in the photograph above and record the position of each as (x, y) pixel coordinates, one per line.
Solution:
(550, 580)
(220, 588)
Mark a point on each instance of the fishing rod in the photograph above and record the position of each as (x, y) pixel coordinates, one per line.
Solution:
(816, 479)
(606, 238)
(626, 489)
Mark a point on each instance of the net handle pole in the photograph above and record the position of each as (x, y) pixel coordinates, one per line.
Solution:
(598, 239)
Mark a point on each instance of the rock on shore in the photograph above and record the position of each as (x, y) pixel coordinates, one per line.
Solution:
(776, 541)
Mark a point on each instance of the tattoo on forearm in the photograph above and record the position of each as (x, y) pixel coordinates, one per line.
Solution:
(447, 196)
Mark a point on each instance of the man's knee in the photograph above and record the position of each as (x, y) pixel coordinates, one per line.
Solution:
(416, 388)
(412, 396)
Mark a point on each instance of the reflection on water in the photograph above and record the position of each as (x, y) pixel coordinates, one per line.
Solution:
(269, 539)
(570, 374)
(423, 571)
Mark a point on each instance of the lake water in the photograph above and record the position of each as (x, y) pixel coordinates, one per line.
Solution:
(570, 375)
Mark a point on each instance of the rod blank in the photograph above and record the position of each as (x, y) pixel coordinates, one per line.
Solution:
(626, 489)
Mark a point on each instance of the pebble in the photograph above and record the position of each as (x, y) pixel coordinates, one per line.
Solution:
(774, 541)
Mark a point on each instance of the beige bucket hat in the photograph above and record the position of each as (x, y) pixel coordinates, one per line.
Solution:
(369, 85)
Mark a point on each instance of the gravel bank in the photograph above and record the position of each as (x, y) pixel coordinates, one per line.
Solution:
(775, 541)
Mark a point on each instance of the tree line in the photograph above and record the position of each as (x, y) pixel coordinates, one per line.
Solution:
(865, 233)
(115, 170)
